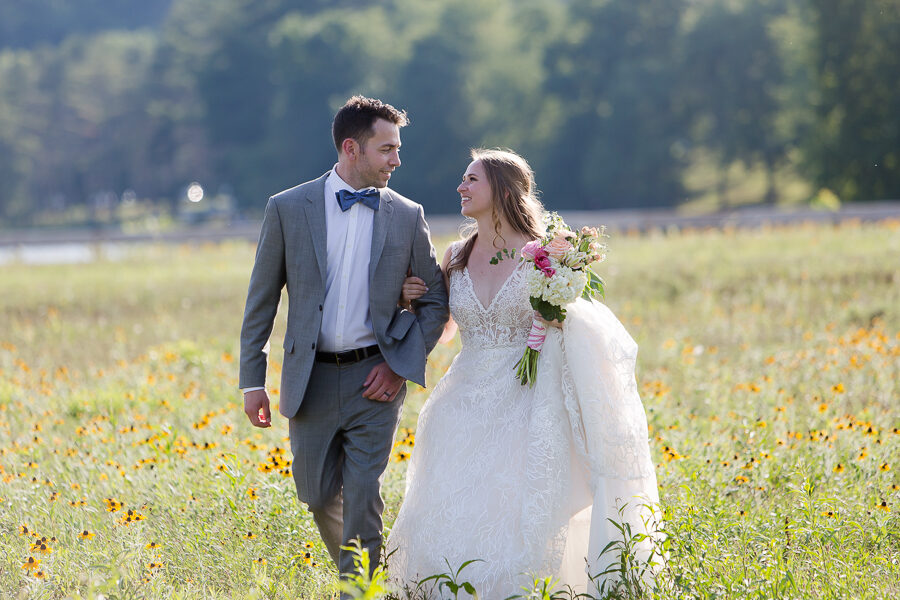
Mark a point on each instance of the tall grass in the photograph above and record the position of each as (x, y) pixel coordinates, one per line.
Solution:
(769, 368)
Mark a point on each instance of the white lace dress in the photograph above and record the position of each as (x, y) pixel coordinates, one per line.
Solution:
(523, 479)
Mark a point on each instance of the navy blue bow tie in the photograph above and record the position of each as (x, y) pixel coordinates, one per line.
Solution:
(369, 197)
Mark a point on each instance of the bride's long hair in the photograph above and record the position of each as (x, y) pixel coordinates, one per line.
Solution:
(514, 198)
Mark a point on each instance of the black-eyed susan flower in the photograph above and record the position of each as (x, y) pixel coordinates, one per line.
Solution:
(249, 536)
(40, 575)
(31, 563)
(131, 516)
(260, 561)
(85, 535)
(152, 546)
(42, 547)
(839, 468)
(23, 530)
(885, 467)
(251, 492)
(884, 506)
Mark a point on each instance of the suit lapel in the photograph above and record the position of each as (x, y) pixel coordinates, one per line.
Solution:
(315, 218)
(380, 225)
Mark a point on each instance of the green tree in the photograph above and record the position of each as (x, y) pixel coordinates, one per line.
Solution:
(615, 73)
(94, 118)
(734, 79)
(21, 125)
(854, 149)
(474, 77)
(29, 23)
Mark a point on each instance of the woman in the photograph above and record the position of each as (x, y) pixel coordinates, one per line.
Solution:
(521, 479)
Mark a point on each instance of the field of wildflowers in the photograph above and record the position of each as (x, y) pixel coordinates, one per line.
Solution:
(769, 368)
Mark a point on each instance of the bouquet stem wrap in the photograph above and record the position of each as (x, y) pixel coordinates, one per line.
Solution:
(526, 368)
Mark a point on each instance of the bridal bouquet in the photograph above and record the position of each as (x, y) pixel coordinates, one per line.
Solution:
(560, 274)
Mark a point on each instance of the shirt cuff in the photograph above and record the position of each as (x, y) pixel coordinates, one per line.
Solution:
(251, 389)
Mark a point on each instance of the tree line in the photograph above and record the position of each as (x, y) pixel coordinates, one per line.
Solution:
(616, 103)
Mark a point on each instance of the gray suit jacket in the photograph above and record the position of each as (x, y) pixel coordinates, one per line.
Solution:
(292, 251)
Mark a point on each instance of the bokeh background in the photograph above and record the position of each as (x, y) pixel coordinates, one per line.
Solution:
(109, 111)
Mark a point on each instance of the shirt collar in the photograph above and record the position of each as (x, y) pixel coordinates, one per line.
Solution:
(338, 184)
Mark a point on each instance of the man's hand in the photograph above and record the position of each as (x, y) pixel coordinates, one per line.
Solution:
(382, 384)
(256, 405)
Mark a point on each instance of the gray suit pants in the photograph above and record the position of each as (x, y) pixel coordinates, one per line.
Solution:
(341, 444)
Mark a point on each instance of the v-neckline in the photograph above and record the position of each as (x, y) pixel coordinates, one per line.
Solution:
(499, 291)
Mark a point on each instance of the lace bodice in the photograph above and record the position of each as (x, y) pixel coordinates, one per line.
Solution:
(505, 321)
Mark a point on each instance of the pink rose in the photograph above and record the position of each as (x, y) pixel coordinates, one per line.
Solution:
(530, 249)
(558, 247)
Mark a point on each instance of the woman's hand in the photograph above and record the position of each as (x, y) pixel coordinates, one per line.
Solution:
(553, 323)
(413, 289)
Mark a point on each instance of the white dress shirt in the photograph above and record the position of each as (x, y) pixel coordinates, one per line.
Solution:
(346, 323)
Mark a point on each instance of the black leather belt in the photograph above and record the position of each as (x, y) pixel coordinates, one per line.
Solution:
(348, 357)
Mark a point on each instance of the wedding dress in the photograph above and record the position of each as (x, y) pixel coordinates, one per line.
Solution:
(521, 479)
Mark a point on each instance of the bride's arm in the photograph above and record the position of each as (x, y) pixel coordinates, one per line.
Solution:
(450, 327)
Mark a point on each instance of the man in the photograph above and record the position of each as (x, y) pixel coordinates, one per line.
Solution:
(343, 244)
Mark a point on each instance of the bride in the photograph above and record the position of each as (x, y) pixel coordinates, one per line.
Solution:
(521, 480)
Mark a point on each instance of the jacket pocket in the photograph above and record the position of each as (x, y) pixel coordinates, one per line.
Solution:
(400, 324)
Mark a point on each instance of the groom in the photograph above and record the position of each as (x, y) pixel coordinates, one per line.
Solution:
(342, 244)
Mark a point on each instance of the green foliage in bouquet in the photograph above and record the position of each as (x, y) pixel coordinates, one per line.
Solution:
(551, 312)
(594, 286)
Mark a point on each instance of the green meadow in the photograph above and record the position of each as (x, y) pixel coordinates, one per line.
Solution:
(769, 368)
